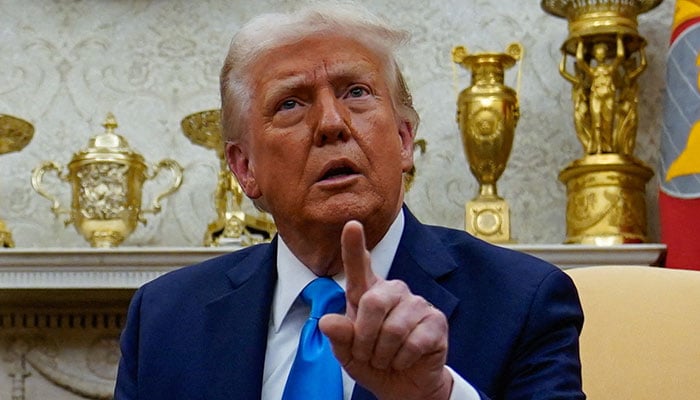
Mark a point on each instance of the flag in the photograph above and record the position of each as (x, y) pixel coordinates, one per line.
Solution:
(679, 172)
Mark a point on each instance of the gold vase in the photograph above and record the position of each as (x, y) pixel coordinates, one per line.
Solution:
(487, 114)
(232, 225)
(106, 179)
(606, 187)
(15, 134)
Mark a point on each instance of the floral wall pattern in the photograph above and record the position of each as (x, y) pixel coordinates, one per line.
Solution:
(67, 63)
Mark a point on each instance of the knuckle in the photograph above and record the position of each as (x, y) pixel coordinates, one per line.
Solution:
(397, 286)
(393, 331)
(375, 301)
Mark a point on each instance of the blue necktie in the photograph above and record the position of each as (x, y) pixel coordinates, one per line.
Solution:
(315, 373)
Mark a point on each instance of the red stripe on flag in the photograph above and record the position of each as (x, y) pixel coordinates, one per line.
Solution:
(679, 230)
(683, 26)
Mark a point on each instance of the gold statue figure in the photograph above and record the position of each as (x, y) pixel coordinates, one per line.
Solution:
(605, 96)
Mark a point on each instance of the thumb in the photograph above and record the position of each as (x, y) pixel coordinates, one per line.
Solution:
(340, 331)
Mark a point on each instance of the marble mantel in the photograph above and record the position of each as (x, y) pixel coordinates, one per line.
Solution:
(129, 268)
(61, 310)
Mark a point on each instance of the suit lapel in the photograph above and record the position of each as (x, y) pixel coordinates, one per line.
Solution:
(420, 262)
(236, 325)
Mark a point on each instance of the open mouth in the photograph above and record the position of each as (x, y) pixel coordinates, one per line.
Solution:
(336, 170)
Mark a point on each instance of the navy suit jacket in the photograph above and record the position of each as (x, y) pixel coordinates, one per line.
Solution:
(200, 332)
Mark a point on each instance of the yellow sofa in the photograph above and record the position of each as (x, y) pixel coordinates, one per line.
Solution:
(641, 335)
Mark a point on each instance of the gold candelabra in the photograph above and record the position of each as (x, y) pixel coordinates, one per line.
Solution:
(603, 57)
(232, 224)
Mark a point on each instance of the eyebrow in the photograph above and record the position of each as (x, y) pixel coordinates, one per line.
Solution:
(285, 84)
(340, 72)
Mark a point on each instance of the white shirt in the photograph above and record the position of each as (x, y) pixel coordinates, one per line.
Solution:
(289, 313)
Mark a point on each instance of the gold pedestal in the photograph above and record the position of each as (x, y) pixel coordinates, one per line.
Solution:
(606, 200)
(488, 218)
(15, 134)
(5, 236)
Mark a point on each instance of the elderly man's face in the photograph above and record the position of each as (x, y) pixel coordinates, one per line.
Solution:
(324, 143)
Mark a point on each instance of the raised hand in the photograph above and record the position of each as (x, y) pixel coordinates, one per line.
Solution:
(390, 341)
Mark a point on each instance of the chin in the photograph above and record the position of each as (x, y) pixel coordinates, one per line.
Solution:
(340, 209)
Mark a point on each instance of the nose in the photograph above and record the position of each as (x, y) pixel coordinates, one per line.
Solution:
(331, 120)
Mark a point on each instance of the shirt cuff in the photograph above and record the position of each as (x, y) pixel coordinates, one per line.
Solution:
(461, 389)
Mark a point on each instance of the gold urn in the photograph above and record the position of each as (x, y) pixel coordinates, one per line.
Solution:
(487, 114)
(232, 225)
(107, 179)
(603, 57)
(15, 134)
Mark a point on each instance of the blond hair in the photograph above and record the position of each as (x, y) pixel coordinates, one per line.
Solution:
(267, 32)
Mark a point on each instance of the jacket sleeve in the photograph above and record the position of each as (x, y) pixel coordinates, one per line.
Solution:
(546, 363)
(127, 376)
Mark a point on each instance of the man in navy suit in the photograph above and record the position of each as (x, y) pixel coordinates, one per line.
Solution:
(319, 129)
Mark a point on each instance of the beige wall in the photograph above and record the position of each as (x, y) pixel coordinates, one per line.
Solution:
(65, 64)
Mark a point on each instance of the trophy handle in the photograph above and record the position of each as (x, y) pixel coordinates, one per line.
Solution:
(517, 51)
(177, 171)
(37, 184)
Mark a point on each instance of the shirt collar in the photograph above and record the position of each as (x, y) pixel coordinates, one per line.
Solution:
(293, 275)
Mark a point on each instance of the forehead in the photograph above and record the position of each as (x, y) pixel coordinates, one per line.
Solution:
(324, 57)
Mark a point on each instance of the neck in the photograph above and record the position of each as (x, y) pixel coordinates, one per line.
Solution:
(318, 245)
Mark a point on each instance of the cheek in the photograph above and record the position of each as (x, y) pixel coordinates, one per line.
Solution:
(283, 157)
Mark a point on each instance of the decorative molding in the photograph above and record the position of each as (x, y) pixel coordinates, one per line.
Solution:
(568, 256)
(120, 268)
(88, 371)
(62, 319)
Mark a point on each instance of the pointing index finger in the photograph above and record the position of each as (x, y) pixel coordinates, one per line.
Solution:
(356, 262)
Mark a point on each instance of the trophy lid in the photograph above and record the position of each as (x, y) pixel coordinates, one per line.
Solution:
(108, 143)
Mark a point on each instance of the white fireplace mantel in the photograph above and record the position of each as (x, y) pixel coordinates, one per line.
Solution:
(130, 267)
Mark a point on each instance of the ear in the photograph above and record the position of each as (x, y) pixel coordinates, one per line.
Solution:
(239, 164)
(406, 135)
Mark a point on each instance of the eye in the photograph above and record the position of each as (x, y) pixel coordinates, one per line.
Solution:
(287, 105)
(357, 91)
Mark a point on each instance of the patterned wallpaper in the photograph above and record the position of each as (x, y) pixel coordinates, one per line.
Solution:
(66, 64)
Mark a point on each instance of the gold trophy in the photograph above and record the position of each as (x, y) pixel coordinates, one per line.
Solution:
(232, 225)
(106, 178)
(606, 187)
(487, 113)
(15, 134)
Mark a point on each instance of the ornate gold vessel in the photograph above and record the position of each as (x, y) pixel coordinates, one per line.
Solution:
(487, 114)
(232, 224)
(107, 179)
(605, 188)
(15, 134)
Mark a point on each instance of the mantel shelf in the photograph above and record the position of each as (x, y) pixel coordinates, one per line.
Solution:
(130, 267)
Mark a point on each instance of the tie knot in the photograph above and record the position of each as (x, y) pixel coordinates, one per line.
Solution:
(324, 296)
